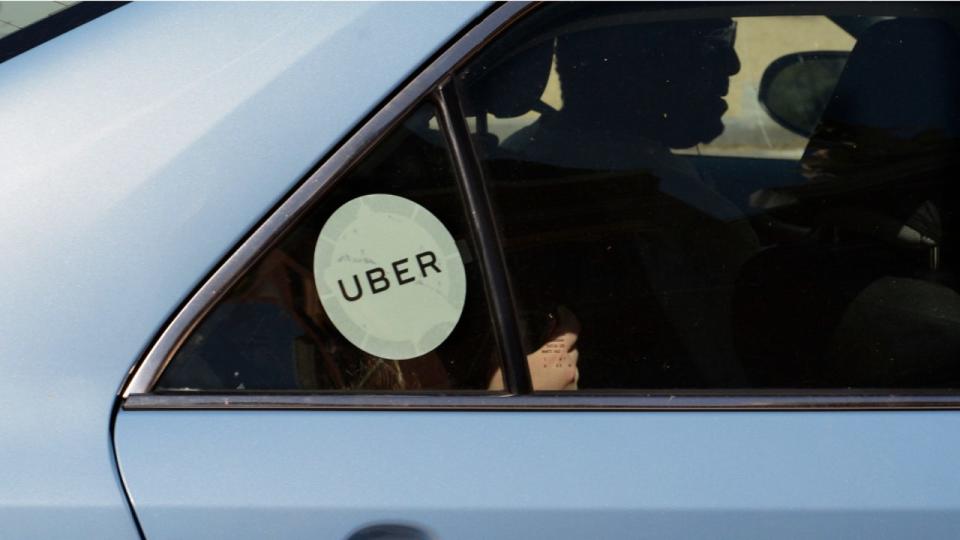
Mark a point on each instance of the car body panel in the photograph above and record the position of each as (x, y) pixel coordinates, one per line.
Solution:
(137, 150)
(561, 475)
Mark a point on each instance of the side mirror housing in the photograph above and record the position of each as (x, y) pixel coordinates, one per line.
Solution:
(796, 88)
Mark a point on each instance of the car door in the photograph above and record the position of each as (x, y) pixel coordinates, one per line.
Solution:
(452, 329)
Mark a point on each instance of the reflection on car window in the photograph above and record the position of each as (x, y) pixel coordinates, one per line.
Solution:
(661, 234)
(15, 16)
(749, 131)
(375, 288)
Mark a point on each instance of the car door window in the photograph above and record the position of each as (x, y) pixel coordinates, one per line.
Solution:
(356, 296)
(659, 235)
(748, 130)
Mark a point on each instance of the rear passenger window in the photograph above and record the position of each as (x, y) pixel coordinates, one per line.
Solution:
(730, 202)
(376, 288)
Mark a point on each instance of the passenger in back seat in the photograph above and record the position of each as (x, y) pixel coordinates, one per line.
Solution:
(630, 94)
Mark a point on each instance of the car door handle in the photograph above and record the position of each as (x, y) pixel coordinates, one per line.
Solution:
(390, 531)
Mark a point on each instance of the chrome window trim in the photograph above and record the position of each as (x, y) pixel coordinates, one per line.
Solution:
(146, 372)
(731, 400)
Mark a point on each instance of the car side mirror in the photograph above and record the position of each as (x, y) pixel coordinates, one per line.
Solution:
(796, 88)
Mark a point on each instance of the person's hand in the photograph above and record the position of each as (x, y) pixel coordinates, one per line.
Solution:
(554, 365)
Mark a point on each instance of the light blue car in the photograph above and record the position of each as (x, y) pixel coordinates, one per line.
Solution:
(458, 271)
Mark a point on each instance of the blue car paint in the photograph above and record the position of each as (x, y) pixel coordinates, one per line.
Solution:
(544, 475)
(136, 150)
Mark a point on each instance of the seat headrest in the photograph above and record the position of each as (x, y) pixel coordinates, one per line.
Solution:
(891, 130)
(513, 86)
(902, 77)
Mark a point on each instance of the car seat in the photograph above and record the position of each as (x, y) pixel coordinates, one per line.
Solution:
(870, 303)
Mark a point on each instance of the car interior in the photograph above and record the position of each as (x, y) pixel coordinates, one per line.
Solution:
(852, 279)
(837, 270)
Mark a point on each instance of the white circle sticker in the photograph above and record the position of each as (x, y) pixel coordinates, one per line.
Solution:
(389, 276)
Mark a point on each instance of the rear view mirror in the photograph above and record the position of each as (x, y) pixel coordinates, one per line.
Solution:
(796, 88)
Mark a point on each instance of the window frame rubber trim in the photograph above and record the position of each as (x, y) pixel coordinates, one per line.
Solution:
(516, 373)
(143, 375)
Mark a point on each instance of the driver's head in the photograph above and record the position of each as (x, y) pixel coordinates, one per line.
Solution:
(663, 81)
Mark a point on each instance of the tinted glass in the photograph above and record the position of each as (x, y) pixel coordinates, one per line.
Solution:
(272, 332)
(663, 231)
